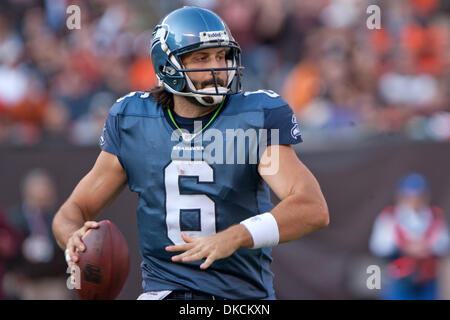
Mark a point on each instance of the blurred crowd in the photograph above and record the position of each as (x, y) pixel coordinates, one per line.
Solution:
(340, 77)
(32, 266)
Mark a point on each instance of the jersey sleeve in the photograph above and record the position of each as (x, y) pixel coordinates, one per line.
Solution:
(281, 125)
(110, 139)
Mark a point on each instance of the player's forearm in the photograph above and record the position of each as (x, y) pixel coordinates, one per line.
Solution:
(67, 220)
(298, 214)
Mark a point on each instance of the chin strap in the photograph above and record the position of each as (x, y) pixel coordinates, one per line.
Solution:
(214, 99)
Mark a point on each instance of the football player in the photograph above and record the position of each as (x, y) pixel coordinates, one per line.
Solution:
(205, 220)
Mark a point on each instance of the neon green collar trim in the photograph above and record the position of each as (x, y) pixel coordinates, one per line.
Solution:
(209, 122)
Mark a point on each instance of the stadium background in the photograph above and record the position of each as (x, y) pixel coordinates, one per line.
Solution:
(372, 104)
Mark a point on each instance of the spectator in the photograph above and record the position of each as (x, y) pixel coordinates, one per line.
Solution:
(40, 264)
(411, 235)
(56, 126)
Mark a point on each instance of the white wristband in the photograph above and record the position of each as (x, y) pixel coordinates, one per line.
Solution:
(264, 230)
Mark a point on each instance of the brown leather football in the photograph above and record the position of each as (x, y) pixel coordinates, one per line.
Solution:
(105, 263)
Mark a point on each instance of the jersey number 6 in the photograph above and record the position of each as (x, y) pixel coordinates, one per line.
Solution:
(176, 203)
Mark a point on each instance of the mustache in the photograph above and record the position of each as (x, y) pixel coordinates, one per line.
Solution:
(203, 84)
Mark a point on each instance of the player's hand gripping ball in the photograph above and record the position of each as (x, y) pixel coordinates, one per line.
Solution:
(104, 264)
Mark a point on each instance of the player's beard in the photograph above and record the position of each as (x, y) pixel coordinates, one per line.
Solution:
(202, 85)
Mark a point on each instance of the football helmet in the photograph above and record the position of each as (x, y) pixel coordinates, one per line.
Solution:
(186, 30)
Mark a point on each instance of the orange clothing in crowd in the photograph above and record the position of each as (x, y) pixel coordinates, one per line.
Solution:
(381, 41)
(427, 45)
(424, 6)
(29, 111)
(142, 75)
(301, 85)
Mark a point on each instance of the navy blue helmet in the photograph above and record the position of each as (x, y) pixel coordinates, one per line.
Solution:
(186, 30)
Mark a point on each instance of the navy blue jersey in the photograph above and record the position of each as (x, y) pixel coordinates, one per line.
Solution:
(199, 186)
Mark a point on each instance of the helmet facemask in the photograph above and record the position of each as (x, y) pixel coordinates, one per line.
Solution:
(211, 95)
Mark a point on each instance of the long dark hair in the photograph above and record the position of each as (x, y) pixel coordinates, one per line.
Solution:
(162, 97)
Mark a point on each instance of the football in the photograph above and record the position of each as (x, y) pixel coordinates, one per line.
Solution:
(104, 265)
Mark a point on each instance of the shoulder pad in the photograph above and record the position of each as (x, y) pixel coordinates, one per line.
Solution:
(261, 99)
(134, 103)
